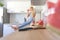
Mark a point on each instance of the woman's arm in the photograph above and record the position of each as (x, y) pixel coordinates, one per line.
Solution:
(28, 14)
(33, 13)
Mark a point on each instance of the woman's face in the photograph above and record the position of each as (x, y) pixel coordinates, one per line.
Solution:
(28, 10)
(31, 9)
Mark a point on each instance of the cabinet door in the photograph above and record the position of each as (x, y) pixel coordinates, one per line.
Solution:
(1, 29)
(6, 16)
(38, 2)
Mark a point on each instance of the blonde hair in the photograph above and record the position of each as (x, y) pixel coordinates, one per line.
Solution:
(32, 7)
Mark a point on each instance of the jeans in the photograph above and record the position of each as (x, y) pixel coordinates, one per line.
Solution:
(26, 23)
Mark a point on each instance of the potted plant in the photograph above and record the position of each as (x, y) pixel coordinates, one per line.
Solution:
(1, 4)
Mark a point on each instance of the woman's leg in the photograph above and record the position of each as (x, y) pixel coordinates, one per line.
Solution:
(33, 22)
(26, 23)
(23, 24)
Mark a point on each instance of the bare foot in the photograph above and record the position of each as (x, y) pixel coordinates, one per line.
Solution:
(15, 27)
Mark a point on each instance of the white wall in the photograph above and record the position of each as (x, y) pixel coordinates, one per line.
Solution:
(1, 14)
(17, 6)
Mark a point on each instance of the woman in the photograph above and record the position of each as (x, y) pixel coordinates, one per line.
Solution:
(31, 19)
(31, 13)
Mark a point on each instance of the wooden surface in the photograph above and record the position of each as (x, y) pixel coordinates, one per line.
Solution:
(40, 34)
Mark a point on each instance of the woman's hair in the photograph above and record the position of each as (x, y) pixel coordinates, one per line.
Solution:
(32, 7)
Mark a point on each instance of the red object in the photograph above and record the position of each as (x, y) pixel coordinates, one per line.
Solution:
(54, 19)
(40, 22)
(50, 4)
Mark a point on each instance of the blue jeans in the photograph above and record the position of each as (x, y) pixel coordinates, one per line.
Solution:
(26, 23)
